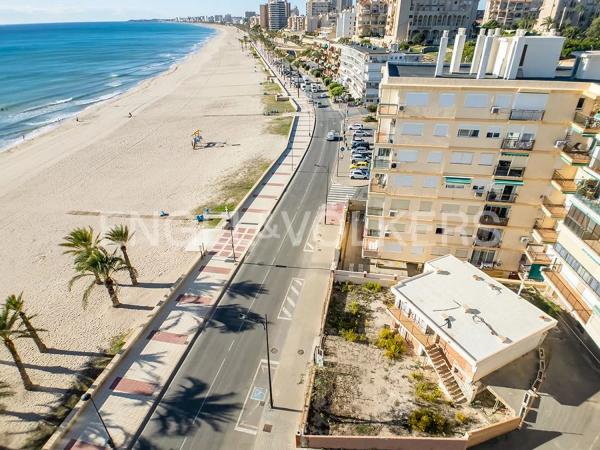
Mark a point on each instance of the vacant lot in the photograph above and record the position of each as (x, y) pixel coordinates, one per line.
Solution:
(372, 383)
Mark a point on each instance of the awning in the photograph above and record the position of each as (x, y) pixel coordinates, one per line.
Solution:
(508, 183)
(458, 180)
(525, 155)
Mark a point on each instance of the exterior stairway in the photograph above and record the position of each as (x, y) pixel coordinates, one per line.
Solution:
(443, 371)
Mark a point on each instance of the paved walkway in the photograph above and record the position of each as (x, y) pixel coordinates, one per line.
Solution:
(126, 396)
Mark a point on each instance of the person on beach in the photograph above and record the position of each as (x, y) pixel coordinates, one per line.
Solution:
(130, 115)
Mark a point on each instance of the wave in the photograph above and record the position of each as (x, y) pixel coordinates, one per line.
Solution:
(115, 84)
(47, 105)
(101, 98)
(51, 120)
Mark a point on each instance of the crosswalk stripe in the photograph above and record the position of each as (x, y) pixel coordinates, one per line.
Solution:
(339, 193)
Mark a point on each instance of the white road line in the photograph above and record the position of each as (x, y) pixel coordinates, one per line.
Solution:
(290, 299)
(237, 424)
(230, 346)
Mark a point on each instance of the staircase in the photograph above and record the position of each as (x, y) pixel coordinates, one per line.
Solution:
(443, 371)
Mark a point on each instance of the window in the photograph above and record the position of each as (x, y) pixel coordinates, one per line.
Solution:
(439, 230)
(450, 208)
(503, 100)
(440, 129)
(461, 158)
(487, 159)
(461, 253)
(421, 228)
(477, 100)
(425, 206)
(435, 157)
(468, 132)
(399, 204)
(393, 247)
(578, 268)
(493, 132)
(530, 101)
(383, 152)
(402, 180)
(466, 232)
(417, 99)
(407, 155)
(447, 100)
(411, 129)
(580, 103)
(397, 227)
(473, 210)
(430, 182)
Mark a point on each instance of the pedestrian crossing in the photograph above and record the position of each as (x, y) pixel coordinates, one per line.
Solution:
(339, 193)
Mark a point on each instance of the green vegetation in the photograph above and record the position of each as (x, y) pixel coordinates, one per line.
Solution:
(367, 429)
(280, 125)
(369, 118)
(348, 320)
(116, 343)
(428, 391)
(390, 341)
(533, 296)
(371, 287)
(428, 421)
(461, 418)
(417, 375)
(372, 108)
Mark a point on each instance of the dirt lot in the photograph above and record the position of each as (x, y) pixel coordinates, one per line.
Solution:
(361, 391)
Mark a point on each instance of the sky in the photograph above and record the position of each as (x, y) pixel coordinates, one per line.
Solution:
(38, 11)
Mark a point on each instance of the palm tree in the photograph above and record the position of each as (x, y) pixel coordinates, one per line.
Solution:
(119, 235)
(548, 22)
(580, 10)
(9, 330)
(17, 304)
(99, 263)
(81, 241)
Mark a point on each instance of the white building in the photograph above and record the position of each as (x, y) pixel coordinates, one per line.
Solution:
(296, 23)
(468, 324)
(346, 24)
(360, 69)
(279, 11)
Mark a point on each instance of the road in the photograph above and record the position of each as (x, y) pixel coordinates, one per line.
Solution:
(208, 404)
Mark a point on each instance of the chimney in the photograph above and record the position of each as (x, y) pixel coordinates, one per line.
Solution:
(439, 66)
(485, 55)
(459, 45)
(477, 52)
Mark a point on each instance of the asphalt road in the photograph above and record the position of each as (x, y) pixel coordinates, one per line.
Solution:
(203, 405)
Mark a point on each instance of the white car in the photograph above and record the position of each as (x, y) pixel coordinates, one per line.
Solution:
(359, 158)
(323, 95)
(358, 174)
(355, 126)
(331, 136)
(360, 133)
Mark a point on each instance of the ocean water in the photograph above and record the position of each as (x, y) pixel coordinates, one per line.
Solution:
(51, 72)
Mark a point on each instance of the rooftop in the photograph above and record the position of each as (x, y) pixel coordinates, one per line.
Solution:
(470, 308)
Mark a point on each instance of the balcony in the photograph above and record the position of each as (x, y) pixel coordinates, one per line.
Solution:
(490, 238)
(587, 123)
(544, 235)
(537, 257)
(388, 109)
(575, 156)
(517, 144)
(376, 187)
(509, 172)
(526, 114)
(384, 138)
(381, 163)
(494, 196)
(553, 210)
(371, 211)
(493, 219)
(570, 295)
(424, 339)
(564, 184)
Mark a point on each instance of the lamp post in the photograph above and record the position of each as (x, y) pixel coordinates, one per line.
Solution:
(85, 397)
(265, 324)
(230, 226)
(327, 188)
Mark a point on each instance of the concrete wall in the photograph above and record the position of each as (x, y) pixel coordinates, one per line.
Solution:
(484, 434)
(380, 443)
(366, 277)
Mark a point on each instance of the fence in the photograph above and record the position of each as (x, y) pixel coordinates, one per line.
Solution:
(383, 279)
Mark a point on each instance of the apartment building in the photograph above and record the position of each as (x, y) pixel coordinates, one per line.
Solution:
(568, 12)
(371, 18)
(345, 24)
(264, 16)
(296, 23)
(508, 12)
(254, 21)
(360, 69)
(279, 11)
(465, 154)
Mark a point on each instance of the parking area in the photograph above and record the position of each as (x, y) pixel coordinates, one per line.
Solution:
(344, 165)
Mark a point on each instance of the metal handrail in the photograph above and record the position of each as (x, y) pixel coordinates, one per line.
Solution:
(517, 144)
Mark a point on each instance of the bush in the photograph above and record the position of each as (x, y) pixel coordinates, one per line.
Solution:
(461, 418)
(326, 81)
(391, 342)
(428, 391)
(372, 108)
(417, 376)
(428, 421)
(354, 307)
(372, 287)
(349, 335)
(369, 118)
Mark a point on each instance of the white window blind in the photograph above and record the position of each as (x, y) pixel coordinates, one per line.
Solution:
(450, 208)
(440, 129)
(435, 157)
(399, 204)
(402, 180)
(447, 100)
(411, 129)
(529, 101)
(408, 155)
(461, 158)
(425, 206)
(502, 100)
(477, 100)
(473, 210)
(417, 99)
(430, 182)
(487, 159)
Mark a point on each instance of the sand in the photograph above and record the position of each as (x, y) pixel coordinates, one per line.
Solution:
(111, 164)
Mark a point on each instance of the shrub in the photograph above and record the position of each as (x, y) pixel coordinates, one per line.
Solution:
(428, 421)
(372, 287)
(372, 108)
(391, 342)
(326, 81)
(428, 391)
(349, 335)
(417, 376)
(354, 307)
(369, 118)
(461, 418)
(347, 286)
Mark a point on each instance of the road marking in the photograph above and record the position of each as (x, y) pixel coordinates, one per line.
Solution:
(313, 236)
(291, 299)
(230, 346)
(237, 424)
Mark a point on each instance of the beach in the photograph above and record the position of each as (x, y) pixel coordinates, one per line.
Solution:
(108, 168)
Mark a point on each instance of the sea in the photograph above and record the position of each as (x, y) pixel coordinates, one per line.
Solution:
(51, 72)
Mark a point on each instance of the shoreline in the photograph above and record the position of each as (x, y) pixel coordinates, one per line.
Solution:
(49, 128)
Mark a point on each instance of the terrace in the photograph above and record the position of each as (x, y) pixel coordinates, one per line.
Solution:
(587, 123)
(563, 183)
(575, 155)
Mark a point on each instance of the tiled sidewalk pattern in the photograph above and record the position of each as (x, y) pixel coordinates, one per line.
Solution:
(127, 397)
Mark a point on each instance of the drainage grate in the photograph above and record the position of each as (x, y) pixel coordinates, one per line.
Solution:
(267, 427)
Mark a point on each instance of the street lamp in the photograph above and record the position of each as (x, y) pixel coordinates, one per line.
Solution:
(230, 226)
(327, 188)
(85, 397)
(265, 324)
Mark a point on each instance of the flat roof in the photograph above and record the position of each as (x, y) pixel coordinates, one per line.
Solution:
(470, 308)
(427, 70)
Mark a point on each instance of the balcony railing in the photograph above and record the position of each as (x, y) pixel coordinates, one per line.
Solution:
(424, 339)
(493, 219)
(570, 295)
(517, 144)
(388, 109)
(513, 172)
(526, 114)
(554, 210)
(374, 212)
(384, 138)
(566, 185)
(537, 256)
(381, 163)
(493, 196)
(587, 122)
(547, 235)
(575, 155)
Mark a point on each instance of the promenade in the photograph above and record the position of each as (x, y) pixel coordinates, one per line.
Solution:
(127, 391)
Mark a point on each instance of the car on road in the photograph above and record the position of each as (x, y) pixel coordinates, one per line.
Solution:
(358, 174)
(331, 136)
(355, 126)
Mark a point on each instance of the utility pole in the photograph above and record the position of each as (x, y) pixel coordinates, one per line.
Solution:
(326, 188)
(230, 225)
(266, 326)
(85, 397)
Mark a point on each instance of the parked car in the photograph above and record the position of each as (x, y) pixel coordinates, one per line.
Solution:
(359, 165)
(360, 144)
(331, 136)
(359, 158)
(360, 133)
(362, 152)
(356, 126)
(359, 175)
(314, 88)
(323, 95)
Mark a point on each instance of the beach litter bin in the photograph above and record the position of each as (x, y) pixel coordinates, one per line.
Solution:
(200, 218)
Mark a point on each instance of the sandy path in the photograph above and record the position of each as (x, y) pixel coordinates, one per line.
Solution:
(110, 163)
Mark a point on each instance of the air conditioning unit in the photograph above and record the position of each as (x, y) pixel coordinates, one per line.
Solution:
(495, 110)
(478, 193)
(560, 143)
(525, 239)
(387, 234)
(393, 213)
(401, 107)
(393, 165)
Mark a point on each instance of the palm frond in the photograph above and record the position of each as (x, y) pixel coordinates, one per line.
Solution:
(86, 293)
